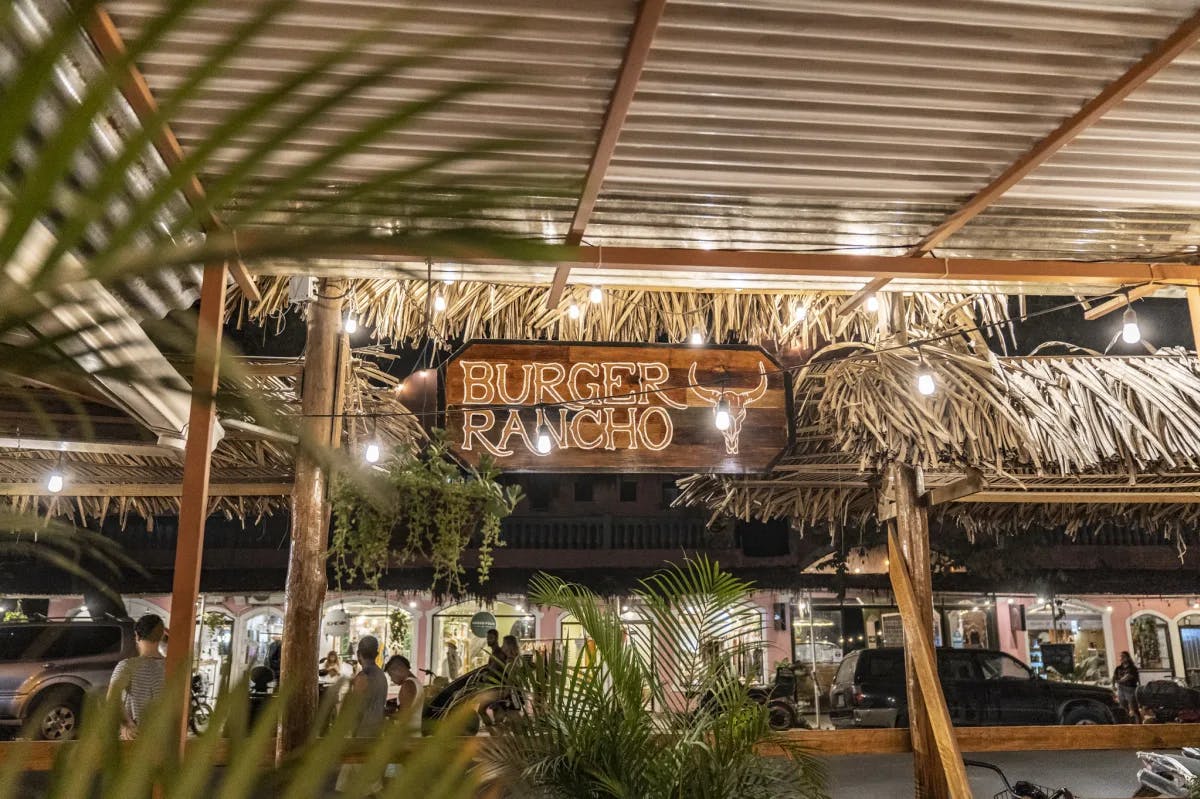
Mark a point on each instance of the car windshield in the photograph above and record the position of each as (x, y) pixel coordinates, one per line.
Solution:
(1002, 667)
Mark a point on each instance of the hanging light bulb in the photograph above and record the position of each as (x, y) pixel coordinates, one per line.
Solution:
(596, 295)
(350, 323)
(573, 310)
(799, 313)
(697, 336)
(371, 453)
(544, 442)
(439, 302)
(55, 482)
(872, 303)
(1130, 332)
(926, 384)
(723, 419)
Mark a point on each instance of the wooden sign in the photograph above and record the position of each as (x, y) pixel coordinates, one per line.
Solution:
(558, 407)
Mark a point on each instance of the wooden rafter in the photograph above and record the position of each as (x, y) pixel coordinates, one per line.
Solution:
(1118, 303)
(276, 489)
(1184, 36)
(640, 38)
(109, 43)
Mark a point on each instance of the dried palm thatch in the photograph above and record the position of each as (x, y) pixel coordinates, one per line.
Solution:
(251, 474)
(1072, 423)
(401, 312)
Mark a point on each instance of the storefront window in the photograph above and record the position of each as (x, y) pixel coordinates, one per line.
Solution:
(264, 632)
(1151, 639)
(1066, 639)
(349, 620)
(1189, 636)
(968, 628)
(454, 632)
(213, 653)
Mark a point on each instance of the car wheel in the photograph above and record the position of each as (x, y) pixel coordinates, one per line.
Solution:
(780, 717)
(1084, 715)
(56, 715)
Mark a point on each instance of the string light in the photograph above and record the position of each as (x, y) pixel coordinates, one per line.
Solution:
(573, 310)
(439, 303)
(722, 419)
(350, 323)
(596, 296)
(1130, 332)
(697, 336)
(872, 303)
(544, 442)
(926, 385)
(371, 453)
(55, 481)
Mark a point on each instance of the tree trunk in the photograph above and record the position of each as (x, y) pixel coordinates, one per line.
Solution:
(306, 577)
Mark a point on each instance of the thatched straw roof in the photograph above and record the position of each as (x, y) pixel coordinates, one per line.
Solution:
(1091, 440)
(251, 472)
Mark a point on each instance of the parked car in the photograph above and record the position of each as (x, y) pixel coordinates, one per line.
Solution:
(47, 667)
(982, 687)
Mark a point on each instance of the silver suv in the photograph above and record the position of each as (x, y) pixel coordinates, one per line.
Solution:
(47, 667)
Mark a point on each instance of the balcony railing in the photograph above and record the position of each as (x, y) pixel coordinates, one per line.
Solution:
(603, 532)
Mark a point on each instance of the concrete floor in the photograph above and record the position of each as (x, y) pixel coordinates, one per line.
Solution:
(1089, 775)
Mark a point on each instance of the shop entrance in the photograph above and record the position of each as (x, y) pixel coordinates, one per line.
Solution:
(1189, 637)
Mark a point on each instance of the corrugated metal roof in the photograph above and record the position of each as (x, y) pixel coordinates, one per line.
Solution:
(772, 124)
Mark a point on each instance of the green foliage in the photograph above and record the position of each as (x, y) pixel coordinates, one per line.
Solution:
(616, 722)
(1145, 639)
(399, 630)
(233, 758)
(424, 507)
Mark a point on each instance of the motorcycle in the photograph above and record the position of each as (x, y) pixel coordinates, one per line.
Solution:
(1166, 701)
(200, 711)
(1020, 789)
(781, 698)
(1169, 775)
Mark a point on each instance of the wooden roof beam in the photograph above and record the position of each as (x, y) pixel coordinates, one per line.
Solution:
(215, 490)
(1117, 303)
(640, 39)
(108, 42)
(1186, 35)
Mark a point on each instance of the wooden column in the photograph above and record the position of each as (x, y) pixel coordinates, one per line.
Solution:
(1193, 299)
(912, 582)
(306, 577)
(193, 506)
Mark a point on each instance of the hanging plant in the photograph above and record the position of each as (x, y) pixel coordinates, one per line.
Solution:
(421, 507)
(398, 631)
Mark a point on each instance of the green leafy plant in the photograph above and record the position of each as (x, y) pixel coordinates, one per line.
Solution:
(620, 721)
(234, 757)
(399, 630)
(423, 506)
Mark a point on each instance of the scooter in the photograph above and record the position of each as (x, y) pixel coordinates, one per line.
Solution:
(1168, 775)
(200, 711)
(1020, 789)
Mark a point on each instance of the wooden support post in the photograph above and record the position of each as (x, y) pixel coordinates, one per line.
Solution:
(193, 507)
(1193, 299)
(938, 771)
(306, 580)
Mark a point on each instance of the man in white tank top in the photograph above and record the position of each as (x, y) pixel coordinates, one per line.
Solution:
(409, 701)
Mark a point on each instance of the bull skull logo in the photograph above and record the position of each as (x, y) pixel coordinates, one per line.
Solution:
(732, 403)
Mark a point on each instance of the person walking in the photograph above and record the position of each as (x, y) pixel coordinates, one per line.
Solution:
(1126, 679)
(139, 680)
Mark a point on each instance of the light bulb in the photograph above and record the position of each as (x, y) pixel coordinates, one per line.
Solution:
(412, 603)
(1130, 332)
(371, 453)
(573, 310)
(799, 313)
(722, 419)
(697, 337)
(55, 483)
(350, 323)
(596, 295)
(1108, 609)
(872, 303)
(439, 303)
(925, 384)
(544, 442)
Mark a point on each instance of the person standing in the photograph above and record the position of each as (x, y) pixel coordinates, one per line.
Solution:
(408, 701)
(368, 698)
(139, 679)
(1126, 679)
(453, 660)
